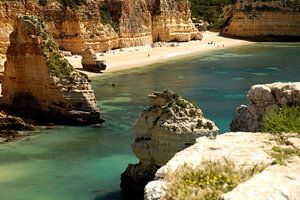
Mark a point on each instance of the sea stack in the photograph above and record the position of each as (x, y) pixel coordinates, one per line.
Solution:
(168, 126)
(38, 82)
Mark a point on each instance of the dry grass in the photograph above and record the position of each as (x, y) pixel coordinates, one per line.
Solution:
(208, 182)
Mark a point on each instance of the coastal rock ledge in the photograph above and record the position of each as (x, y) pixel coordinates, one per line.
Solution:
(245, 150)
(168, 126)
(260, 98)
(39, 83)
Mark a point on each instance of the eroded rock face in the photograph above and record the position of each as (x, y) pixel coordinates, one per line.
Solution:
(172, 21)
(245, 150)
(260, 97)
(265, 20)
(104, 25)
(40, 83)
(169, 125)
(90, 62)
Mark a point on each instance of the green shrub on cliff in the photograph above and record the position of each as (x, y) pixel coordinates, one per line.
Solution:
(59, 66)
(209, 182)
(286, 119)
(105, 18)
(210, 11)
(281, 154)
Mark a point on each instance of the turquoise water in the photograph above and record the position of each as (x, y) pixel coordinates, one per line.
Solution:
(85, 163)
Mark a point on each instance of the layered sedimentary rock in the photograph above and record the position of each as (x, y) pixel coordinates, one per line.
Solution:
(169, 125)
(244, 150)
(260, 98)
(104, 25)
(265, 20)
(134, 21)
(74, 30)
(40, 83)
(172, 21)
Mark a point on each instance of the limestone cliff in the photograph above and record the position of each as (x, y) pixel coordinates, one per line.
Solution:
(169, 125)
(260, 98)
(39, 82)
(245, 150)
(172, 21)
(104, 25)
(265, 20)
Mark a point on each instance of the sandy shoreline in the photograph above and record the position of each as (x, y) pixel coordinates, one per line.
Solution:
(141, 56)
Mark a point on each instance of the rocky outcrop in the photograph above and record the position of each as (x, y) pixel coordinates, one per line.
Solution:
(74, 30)
(260, 98)
(104, 25)
(245, 150)
(169, 125)
(172, 21)
(265, 20)
(90, 62)
(275, 182)
(40, 83)
(11, 126)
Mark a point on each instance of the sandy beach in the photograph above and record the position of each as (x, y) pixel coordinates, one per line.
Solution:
(141, 56)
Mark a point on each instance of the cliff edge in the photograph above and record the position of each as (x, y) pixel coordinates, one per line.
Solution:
(38, 82)
(104, 25)
(271, 20)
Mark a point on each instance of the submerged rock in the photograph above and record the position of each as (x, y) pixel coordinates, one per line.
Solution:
(260, 98)
(11, 126)
(39, 83)
(168, 126)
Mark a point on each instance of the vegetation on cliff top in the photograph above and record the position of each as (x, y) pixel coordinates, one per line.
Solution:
(106, 18)
(280, 121)
(208, 182)
(285, 119)
(58, 65)
(211, 11)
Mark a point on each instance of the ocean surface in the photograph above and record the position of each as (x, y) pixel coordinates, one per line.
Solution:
(85, 163)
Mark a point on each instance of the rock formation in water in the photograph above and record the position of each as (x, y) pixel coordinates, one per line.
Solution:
(265, 20)
(11, 126)
(103, 24)
(169, 125)
(244, 150)
(40, 83)
(260, 98)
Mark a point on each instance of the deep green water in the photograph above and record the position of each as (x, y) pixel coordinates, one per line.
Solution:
(85, 163)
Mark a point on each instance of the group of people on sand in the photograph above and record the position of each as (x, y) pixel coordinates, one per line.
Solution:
(212, 42)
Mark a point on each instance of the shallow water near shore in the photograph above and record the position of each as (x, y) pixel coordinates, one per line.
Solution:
(85, 163)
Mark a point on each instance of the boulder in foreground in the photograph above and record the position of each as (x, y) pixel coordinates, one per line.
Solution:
(168, 125)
